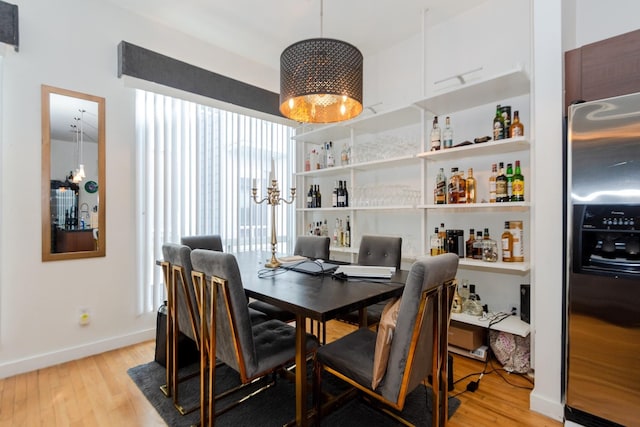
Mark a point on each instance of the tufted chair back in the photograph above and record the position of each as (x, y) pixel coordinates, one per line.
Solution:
(380, 250)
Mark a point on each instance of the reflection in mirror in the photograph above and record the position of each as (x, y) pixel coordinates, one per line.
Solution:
(73, 175)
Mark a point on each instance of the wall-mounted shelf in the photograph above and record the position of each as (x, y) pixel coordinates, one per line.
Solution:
(360, 208)
(508, 206)
(495, 266)
(502, 146)
(511, 324)
(365, 123)
(373, 164)
(507, 85)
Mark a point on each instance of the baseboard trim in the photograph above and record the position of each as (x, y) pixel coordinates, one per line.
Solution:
(46, 360)
(551, 409)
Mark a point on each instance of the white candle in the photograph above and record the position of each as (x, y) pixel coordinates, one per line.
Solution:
(255, 183)
(272, 174)
(293, 180)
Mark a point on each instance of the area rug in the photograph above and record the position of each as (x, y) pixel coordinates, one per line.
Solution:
(275, 406)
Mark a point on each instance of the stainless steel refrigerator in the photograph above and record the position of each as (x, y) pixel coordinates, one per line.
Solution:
(602, 334)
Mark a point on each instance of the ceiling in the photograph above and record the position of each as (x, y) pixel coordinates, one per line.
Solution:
(261, 29)
(67, 112)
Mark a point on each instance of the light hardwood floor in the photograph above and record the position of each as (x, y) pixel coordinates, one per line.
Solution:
(96, 391)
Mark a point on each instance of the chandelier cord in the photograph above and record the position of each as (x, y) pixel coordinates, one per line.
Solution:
(321, 18)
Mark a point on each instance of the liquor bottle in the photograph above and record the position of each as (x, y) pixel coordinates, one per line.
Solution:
(340, 195)
(346, 195)
(310, 197)
(470, 187)
(324, 229)
(331, 159)
(518, 184)
(336, 230)
(440, 189)
(501, 185)
(469, 244)
(334, 196)
(322, 157)
(447, 134)
(434, 242)
(489, 248)
(318, 197)
(436, 136)
(498, 125)
(492, 183)
(310, 230)
(517, 128)
(505, 112)
(507, 243)
(517, 253)
(347, 234)
(307, 162)
(341, 234)
(452, 188)
(477, 245)
(344, 155)
(509, 175)
(456, 303)
(472, 305)
(464, 290)
(442, 233)
(462, 188)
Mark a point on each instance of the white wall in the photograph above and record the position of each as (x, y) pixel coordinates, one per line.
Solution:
(597, 20)
(73, 45)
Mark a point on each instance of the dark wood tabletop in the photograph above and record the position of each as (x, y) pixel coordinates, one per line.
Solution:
(321, 297)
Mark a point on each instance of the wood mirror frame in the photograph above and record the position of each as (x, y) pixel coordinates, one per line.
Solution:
(80, 230)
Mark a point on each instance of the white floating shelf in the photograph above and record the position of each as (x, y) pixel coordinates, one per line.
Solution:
(511, 324)
(502, 146)
(508, 266)
(365, 123)
(496, 88)
(507, 206)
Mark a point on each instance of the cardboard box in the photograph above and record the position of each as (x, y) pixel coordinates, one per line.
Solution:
(466, 336)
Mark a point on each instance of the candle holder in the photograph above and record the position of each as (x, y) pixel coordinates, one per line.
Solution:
(273, 198)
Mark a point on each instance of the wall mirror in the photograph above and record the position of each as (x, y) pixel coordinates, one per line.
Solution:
(73, 175)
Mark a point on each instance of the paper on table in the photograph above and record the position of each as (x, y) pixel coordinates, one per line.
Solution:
(292, 259)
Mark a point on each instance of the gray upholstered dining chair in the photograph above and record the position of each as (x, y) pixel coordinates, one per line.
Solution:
(383, 251)
(227, 334)
(213, 242)
(380, 250)
(182, 315)
(313, 247)
(417, 348)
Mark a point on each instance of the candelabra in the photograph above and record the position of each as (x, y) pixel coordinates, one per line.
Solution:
(273, 198)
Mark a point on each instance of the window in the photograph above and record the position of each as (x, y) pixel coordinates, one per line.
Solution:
(195, 169)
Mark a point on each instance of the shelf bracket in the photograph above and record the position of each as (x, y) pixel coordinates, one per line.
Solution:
(460, 76)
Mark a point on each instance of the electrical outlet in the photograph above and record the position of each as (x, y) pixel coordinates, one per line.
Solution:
(84, 317)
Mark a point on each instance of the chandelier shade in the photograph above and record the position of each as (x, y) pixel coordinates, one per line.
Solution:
(321, 81)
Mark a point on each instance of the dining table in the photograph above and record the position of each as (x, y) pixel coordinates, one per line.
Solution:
(319, 297)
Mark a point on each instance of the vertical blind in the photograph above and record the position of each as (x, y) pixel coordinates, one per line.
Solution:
(195, 169)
